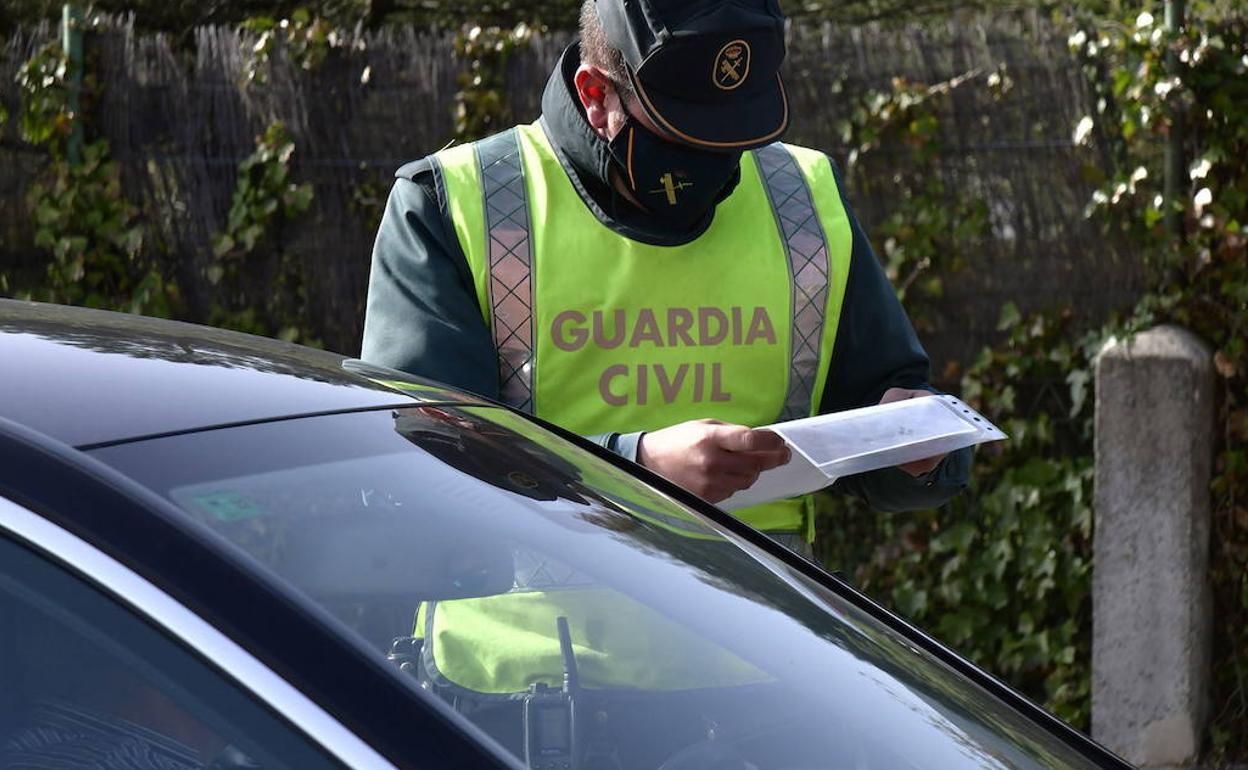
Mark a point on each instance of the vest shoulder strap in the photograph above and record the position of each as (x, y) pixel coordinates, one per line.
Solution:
(510, 259)
(806, 245)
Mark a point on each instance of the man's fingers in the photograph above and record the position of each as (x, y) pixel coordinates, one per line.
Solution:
(724, 486)
(723, 463)
(772, 459)
(761, 449)
(738, 481)
(738, 438)
(758, 440)
(767, 448)
(710, 458)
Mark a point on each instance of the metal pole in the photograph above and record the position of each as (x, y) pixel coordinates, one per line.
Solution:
(71, 42)
(1176, 169)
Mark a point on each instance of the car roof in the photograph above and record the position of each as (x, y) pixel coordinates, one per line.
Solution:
(90, 377)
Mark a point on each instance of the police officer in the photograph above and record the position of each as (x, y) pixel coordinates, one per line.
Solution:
(648, 266)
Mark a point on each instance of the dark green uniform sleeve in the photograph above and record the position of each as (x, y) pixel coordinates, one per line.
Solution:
(422, 315)
(876, 349)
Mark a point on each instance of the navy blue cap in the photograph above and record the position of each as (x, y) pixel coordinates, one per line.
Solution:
(706, 72)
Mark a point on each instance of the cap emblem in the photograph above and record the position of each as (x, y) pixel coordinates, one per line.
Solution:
(732, 65)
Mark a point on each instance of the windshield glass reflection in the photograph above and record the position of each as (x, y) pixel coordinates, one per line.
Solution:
(583, 619)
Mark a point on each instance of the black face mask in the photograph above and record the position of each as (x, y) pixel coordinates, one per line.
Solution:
(677, 183)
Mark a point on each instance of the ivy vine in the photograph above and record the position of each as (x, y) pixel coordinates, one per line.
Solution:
(265, 195)
(1002, 573)
(307, 39)
(1156, 82)
(101, 254)
(481, 104)
(94, 236)
(928, 231)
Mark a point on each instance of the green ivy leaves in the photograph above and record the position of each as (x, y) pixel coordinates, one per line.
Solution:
(1154, 80)
(928, 231)
(308, 40)
(264, 191)
(265, 195)
(45, 118)
(1003, 573)
(481, 106)
(93, 235)
(100, 252)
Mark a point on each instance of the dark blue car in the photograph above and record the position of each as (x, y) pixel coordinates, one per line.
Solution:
(220, 551)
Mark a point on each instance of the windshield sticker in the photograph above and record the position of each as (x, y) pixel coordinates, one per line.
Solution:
(228, 506)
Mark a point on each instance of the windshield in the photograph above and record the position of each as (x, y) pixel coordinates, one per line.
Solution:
(580, 617)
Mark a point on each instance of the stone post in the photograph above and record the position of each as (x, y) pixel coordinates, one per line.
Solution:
(1150, 589)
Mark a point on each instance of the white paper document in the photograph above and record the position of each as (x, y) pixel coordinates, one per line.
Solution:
(833, 445)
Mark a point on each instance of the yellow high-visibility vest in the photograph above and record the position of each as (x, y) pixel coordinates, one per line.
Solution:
(601, 333)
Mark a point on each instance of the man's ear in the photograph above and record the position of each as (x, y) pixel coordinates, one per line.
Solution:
(597, 95)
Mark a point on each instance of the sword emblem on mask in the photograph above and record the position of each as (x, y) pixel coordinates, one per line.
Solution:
(670, 187)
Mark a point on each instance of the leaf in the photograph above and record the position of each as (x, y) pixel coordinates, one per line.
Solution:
(957, 627)
(46, 213)
(1026, 625)
(934, 287)
(1037, 472)
(910, 602)
(1005, 399)
(1093, 174)
(958, 539)
(249, 235)
(1010, 317)
(298, 199)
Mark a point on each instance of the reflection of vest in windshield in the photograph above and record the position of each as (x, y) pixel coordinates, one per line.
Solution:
(600, 333)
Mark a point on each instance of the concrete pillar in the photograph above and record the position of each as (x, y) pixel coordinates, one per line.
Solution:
(1150, 589)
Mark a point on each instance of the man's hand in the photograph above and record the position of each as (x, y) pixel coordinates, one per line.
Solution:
(710, 458)
(918, 467)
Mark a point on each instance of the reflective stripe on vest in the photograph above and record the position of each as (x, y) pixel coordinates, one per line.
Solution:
(807, 246)
(511, 265)
(511, 285)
